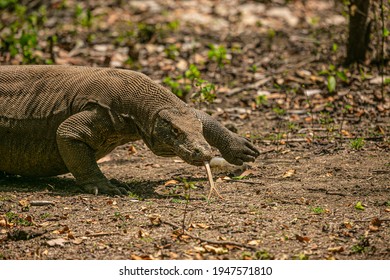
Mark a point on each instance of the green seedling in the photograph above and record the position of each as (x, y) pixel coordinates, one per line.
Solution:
(179, 89)
(263, 255)
(172, 51)
(357, 144)
(17, 219)
(359, 206)
(318, 210)
(331, 84)
(206, 93)
(218, 54)
(253, 68)
(261, 100)
(192, 73)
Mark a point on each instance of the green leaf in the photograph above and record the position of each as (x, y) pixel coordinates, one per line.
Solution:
(359, 206)
(342, 76)
(386, 32)
(331, 84)
(335, 47)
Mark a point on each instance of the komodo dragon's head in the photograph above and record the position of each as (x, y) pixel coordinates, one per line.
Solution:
(178, 132)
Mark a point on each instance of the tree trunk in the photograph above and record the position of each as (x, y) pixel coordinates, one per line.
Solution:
(359, 31)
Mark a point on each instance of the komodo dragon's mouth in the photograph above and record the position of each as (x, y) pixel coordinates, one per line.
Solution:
(196, 156)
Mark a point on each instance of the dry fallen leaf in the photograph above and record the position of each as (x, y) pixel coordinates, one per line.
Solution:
(77, 241)
(24, 203)
(199, 225)
(289, 173)
(3, 222)
(171, 183)
(373, 228)
(247, 173)
(56, 242)
(254, 242)
(337, 249)
(155, 219)
(142, 234)
(302, 238)
(376, 222)
(199, 249)
(216, 250)
(132, 150)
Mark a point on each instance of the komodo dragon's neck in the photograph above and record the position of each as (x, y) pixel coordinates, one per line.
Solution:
(144, 100)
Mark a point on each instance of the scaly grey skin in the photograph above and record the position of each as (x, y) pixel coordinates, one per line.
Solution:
(60, 119)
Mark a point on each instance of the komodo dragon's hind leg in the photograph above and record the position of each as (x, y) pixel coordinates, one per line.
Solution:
(78, 139)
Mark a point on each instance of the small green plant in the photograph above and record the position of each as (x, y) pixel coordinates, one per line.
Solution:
(83, 16)
(253, 68)
(246, 255)
(292, 126)
(263, 255)
(301, 257)
(357, 249)
(179, 89)
(44, 216)
(192, 73)
(332, 73)
(261, 100)
(218, 53)
(271, 33)
(172, 51)
(318, 210)
(206, 93)
(21, 36)
(362, 246)
(331, 84)
(357, 144)
(134, 196)
(335, 47)
(173, 25)
(359, 206)
(279, 111)
(17, 219)
(8, 4)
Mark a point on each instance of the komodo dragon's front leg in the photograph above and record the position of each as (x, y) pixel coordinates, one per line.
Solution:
(234, 148)
(80, 141)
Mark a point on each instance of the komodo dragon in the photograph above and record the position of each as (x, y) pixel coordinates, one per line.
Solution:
(60, 119)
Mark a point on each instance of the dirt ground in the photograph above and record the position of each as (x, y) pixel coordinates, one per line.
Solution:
(319, 190)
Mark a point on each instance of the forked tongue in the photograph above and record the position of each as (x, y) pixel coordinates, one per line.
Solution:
(211, 181)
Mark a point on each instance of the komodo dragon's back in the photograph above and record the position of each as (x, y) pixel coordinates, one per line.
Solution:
(38, 91)
(59, 119)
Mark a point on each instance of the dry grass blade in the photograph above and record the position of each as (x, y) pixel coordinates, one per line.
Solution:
(211, 181)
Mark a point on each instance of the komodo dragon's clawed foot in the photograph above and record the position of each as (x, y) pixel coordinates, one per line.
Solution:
(105, 188)
(240, 150)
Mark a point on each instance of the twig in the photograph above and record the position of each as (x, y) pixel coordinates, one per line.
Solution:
(255, 85)
(41, 203)
(224, 243)
(102, 234)
(336, 193)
